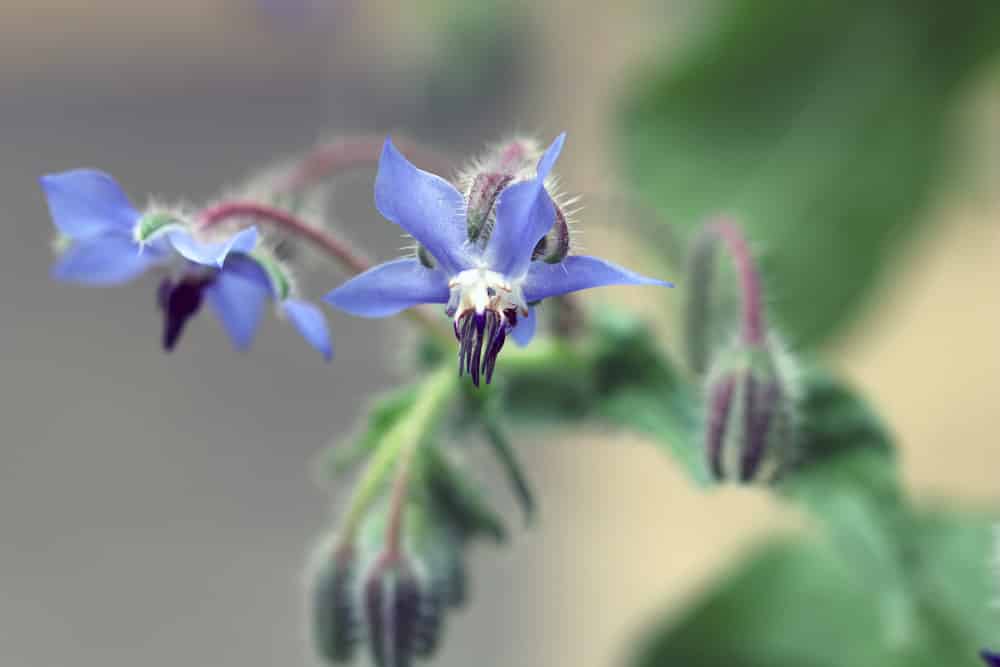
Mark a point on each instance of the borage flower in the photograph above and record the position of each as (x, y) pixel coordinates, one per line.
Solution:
(489, 275)
(108, 242)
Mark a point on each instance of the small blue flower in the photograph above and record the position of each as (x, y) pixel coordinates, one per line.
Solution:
(90, 209)
(490, 284)
(94, 215)
(990, 658)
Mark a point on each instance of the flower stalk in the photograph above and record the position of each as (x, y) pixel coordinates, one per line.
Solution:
(752, 329)
(337, 248)
(326, 160)
(397, 451)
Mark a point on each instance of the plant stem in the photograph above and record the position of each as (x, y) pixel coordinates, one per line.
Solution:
(397, 451)
(739, 251)
(338, 249)
(335, 247)
(327, 160)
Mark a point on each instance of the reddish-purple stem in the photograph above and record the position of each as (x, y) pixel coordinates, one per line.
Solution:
(333, 246)
(397, 507)
(326, 160)
(739, 251)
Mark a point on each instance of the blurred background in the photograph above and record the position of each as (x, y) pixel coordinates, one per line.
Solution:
(157, 509)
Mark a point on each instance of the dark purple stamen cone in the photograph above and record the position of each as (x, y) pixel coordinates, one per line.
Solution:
(990, 658)
(481, 337)
(334, 609)
(402, 620)
(179, 302)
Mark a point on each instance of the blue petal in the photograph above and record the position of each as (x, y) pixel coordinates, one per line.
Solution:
(524, 331)
(101, 261)
(211, 254)
(525, 213)
(238, 300)
(428, 207)
(309, 321)
(86, 202)
(389, 288)
(578, 272)
(991, 659)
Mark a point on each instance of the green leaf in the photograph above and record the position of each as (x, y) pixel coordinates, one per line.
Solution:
(789, 605)
(639, 388)
(820, 125)
(953, 567)
(507, 457)
(384, 412)
(846, 475)
(458, 499)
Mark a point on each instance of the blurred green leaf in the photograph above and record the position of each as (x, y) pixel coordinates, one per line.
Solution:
(640, 388)
(619, 374)
(803, 605)
(790, 605)
(504, 451)
(885, 586)
(951, 557)
(821, 125)
(384, 412)
(459, 499)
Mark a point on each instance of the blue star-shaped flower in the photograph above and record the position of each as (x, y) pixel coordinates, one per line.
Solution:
(990, 658)
(489, 284)
(93, 213)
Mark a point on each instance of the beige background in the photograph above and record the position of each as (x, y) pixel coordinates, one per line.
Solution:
(156, 510)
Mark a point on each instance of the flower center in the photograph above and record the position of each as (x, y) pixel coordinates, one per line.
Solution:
(485, 306)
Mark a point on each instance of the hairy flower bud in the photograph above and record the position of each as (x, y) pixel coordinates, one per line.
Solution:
(483, 193)
(335, 616)
(554, 246)
(402, 615)
(748, 424)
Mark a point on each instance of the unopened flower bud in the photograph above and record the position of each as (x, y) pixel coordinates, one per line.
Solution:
(402, 615)
(335, 616)
(483, 193)
(748, 423)
(554, 246)
(425, 257)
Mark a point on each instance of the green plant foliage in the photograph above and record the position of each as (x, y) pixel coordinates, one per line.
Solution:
(885, 585)
(384, 412)
(789, 605)
(459, 500)
(619, 374)
(820, 125)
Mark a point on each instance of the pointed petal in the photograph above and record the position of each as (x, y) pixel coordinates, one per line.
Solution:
(389, 288)
(524, 331)
(428, 207)
(310, 323)
(85, 202)
(103, 261)
(578, 272)
(238, 300)
(525, 213)
(211, 254)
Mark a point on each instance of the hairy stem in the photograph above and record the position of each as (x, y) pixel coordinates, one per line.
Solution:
(337, 248)
(739, 251)
(333, 246)
(397, 451)
(326, 160)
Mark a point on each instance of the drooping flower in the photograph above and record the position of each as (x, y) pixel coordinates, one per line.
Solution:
(485, 265)
(109, 242)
